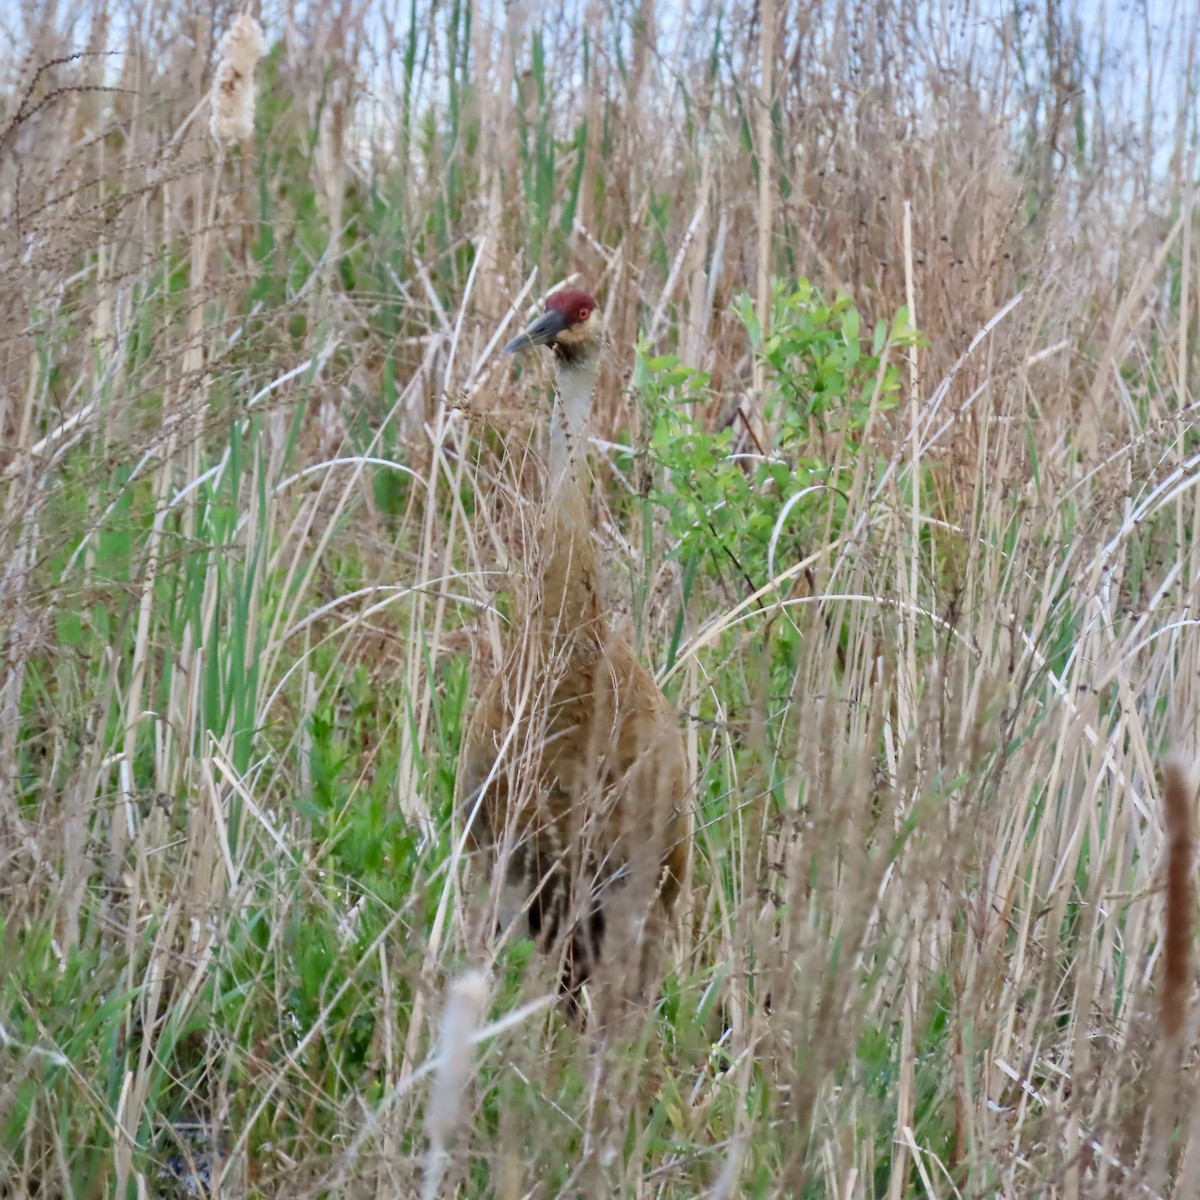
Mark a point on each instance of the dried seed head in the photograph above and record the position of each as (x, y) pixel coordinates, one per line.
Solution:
(464, 1006)
(233, 88)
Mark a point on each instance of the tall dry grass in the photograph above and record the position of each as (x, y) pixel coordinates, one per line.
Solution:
(263, 482)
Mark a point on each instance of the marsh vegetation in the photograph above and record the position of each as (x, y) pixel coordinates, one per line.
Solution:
(894, 475)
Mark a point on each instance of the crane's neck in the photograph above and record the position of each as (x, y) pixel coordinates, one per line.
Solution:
(570, 600)
(569, 423)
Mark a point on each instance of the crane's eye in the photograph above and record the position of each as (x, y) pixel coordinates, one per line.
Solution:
(583, 314)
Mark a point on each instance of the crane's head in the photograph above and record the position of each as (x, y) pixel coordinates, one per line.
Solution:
(570, 326)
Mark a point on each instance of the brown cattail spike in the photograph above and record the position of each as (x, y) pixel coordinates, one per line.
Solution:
(1178, 795)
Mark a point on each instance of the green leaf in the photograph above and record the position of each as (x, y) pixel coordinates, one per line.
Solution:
(850, 326)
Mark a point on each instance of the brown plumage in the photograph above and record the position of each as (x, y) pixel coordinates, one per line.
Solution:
(573, 776)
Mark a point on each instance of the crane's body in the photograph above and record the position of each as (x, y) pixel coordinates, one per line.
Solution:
(574, 774)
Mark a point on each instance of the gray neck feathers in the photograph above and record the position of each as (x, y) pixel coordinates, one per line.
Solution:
(569, 421)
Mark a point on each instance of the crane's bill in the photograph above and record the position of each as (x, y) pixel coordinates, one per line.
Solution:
(541, 333)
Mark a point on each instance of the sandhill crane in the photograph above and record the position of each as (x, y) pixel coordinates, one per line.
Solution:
(574, 775)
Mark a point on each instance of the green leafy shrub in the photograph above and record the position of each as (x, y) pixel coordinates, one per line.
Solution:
(822, 385)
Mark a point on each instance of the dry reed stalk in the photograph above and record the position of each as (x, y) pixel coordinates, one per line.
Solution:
(764, 150)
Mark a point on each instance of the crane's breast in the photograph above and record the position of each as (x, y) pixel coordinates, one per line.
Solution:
(595, 764)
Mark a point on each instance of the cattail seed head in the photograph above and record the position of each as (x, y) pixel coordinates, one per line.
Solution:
(241, 47)
(1178, 801)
